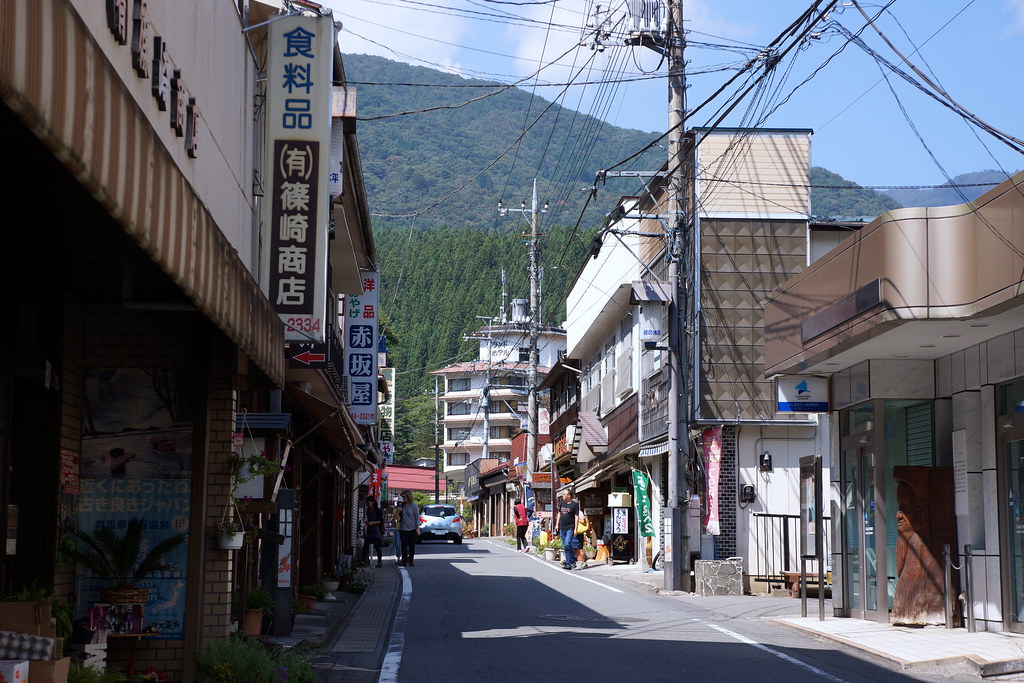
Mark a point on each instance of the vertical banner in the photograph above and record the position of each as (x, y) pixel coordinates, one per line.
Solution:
(713, 466)
(298, 103)
(361, 329)
(643, 503)
(376, 480)
(387, 416)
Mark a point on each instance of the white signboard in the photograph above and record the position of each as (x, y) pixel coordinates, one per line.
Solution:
(387, 417)
(799, 394)
(361, 332)
(300, 62)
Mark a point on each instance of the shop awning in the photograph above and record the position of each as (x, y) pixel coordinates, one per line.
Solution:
(332, 422)
(130, 172)
(651, 450)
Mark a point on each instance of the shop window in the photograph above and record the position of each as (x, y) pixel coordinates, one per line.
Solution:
(858, 419)
(1011, 397)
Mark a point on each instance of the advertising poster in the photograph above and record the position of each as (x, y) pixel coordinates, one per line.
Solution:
(137, 463)
(713, 466)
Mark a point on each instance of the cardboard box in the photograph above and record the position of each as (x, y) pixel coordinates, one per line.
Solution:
(13, 670)
(54, 671)
(27, 616)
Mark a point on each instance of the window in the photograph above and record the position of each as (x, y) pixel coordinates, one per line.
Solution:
(458, 434)
(502, 432)
(459, 409)
(524, 354)
(458, 384)
(455, 459)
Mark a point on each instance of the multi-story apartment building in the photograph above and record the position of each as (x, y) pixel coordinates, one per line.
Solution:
(485, 400)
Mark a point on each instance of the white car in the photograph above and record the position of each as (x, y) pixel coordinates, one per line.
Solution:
(440, 522)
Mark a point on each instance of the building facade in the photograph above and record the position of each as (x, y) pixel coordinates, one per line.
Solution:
(145, 371)
(916, 321)
(752, 221)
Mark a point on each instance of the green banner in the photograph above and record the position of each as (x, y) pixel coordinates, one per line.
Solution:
(643, 503)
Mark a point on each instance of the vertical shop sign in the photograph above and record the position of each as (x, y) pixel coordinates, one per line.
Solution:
(713, 466)
(387, 417)
(298, 90)
(361, 329)
(643, 503)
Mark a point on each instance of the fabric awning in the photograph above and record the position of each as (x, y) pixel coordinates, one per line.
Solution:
(66, 90)
(649, 451)
(334, 422)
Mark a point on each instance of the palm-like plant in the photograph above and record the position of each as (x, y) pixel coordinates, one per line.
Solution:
(119, 558)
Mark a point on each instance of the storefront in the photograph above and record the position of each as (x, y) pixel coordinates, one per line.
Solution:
(916, 320)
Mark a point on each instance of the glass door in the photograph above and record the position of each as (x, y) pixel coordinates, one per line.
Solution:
(860, 534)
(1013, 530)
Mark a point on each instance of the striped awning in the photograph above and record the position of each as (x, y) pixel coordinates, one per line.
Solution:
(56, 78)
(654, 449)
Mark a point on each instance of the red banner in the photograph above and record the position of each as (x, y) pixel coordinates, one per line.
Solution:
(713, 466)
(374, 486)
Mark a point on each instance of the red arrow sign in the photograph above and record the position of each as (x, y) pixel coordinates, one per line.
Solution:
(308, 357)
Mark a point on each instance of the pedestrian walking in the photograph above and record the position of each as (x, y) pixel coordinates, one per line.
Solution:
(522, 518)
(374, 533)
(396, 521)
(568, 515)
(408, 528)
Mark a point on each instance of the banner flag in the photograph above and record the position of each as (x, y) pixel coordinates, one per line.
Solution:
(713, 466)
(643, 503)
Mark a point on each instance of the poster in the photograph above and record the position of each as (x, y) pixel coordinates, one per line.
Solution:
(713, 467)
(136, 462)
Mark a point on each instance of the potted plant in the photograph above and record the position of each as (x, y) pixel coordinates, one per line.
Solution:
(347, 576)
(310, 593)
(120, 560)
(257, 601)
(230, 534)
(589, 551)
(330, 581)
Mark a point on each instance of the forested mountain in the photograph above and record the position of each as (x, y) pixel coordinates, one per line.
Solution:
(971, 186)
(832, 196)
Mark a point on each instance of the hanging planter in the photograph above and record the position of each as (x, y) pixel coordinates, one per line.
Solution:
(231, 541)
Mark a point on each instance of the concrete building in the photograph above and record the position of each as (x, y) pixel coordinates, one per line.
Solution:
(485, 400)
(917, 323)
(750, 206)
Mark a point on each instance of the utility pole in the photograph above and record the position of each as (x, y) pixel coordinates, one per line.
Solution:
(667, 39)
(486, 392)
(677, 565)
(437, 446)
(534, 328)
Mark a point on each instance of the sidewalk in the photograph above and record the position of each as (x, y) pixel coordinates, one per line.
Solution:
(987, 653)
(351, 634)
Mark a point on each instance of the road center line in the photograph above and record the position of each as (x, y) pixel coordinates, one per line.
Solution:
(780, 655)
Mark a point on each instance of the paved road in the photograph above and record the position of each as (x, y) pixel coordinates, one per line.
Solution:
(480, 611)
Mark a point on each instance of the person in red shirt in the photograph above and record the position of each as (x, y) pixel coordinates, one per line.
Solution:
(522, 518)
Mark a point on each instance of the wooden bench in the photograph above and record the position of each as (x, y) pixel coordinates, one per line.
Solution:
(792, 580)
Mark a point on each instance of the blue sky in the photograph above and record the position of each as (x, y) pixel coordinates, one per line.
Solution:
(973, 48)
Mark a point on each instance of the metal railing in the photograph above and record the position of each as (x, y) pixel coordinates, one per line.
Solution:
(776, 550)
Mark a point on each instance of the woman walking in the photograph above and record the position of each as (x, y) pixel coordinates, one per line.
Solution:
(408, 527)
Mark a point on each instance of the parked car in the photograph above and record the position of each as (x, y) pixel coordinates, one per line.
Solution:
(440, 522)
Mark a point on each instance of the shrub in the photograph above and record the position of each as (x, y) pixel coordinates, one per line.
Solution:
(234, 659)
(78, 673)
(508, 529)
(314, 589)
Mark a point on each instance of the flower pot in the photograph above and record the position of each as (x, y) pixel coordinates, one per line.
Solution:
(550, 555)
(252, 622)
(232, 541)
(307, 601)
(591, 554)
(330, 586)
